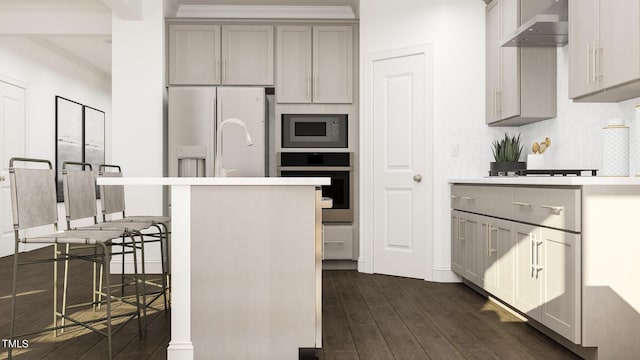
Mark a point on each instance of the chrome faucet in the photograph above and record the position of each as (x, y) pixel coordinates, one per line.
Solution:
(220, 171)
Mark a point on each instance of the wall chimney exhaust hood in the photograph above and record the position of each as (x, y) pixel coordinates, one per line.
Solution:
(547, 29)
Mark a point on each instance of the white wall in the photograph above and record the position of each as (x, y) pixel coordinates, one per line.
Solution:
(576, 133)
(138, 90)
(461, 140)
(48, 74)
(456, 31)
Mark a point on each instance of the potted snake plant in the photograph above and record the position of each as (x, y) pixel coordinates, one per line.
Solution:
(506, 153)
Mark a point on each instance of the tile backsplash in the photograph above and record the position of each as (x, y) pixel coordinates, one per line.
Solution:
(576, 134)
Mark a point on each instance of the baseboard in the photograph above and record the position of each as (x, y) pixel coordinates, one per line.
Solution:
(150, 266)
(339, 265)
(444, 274)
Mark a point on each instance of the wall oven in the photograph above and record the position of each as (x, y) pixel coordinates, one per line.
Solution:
(314, 130)
(337, 166)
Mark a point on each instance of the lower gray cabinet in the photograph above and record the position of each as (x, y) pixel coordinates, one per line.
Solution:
(498, 258)
(535, 269)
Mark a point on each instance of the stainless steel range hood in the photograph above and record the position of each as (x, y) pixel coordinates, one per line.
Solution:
(547, 29)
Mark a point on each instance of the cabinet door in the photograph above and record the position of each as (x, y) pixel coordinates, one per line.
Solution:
(560, 263)
(457, 253)
(493, 35)
(583, 36)
(247, 55)
(508, 101)
(498, 258)
(527, 293)
(618, 56)
(471, 245)
(194, 54)
(332, 64)
(293, 62)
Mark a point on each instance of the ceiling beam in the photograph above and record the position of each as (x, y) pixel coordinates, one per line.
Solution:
(126, 9)
(51, 21)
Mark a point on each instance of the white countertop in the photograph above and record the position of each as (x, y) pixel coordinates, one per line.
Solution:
(216, 181)
(550, 180)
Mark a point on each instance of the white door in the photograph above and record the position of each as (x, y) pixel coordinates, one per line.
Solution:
(401, 188)
(12, 144)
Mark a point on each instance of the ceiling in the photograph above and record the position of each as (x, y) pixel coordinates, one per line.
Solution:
(93, 51)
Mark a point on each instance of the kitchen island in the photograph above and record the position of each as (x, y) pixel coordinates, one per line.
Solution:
(246, 270)
(562, 251)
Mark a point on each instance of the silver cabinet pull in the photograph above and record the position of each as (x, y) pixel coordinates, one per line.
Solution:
(532, 241)
(1, 178)
(490, 250)
(334, 241)
(523, 204)
(417, 178)
(453, 196)
(466, 198)
(589, 63)
(555, 209)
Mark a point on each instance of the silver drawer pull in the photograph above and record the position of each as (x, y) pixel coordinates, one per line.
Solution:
(466, 198)
(334, 242)
(451, 196)
(553, 208)
(520, 203)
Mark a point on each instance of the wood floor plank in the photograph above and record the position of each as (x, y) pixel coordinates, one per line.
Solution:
(365, 317)
(336, 334)
(432, 340)
(398, 337)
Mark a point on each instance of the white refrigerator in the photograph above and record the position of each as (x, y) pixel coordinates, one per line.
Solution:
(195, 114)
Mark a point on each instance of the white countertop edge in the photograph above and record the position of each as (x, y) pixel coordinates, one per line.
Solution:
(550, 180)
(217, 181)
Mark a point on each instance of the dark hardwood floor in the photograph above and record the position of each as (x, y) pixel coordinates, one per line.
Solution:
(365, 317)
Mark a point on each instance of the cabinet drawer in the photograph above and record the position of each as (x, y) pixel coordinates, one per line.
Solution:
(464, 198)
(495, 201)
(338, 242)
(555, 208)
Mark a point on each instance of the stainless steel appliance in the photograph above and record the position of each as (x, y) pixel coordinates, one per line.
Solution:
(336, 165)
(198, 115)
(314, 130)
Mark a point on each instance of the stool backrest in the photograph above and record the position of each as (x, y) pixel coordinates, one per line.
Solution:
(79, 189)
(112, 195)
(33, 196)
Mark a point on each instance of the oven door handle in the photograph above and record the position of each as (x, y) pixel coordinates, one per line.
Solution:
(315, 168)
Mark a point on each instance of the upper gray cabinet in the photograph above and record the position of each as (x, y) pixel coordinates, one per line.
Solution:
(314, 64)
(604, 50)
(247, 54)
(215, 54)
(521, 82)
(194, 54)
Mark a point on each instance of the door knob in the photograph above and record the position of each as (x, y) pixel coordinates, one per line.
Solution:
(417, 178)
(1, 178)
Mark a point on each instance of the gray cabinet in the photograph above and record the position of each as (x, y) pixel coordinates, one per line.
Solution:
(498, 257)
(338, 242)
(548, 278)
(520, 82)
(522, 245)
(247, 54)
(604, 50)
(314, 64)
(215, 54)
(194, 54)
(468, 258)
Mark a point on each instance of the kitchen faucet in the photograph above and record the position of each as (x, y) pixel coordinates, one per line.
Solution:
(220, 171)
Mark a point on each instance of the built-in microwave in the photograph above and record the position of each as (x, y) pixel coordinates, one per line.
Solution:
(314, 130)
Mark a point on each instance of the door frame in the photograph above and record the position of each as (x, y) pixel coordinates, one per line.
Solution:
(25, 86)
(365, 259)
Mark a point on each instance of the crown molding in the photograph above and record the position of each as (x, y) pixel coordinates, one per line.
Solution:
(270, 12)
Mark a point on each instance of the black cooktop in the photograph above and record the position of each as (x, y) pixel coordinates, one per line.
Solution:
(554, 172)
